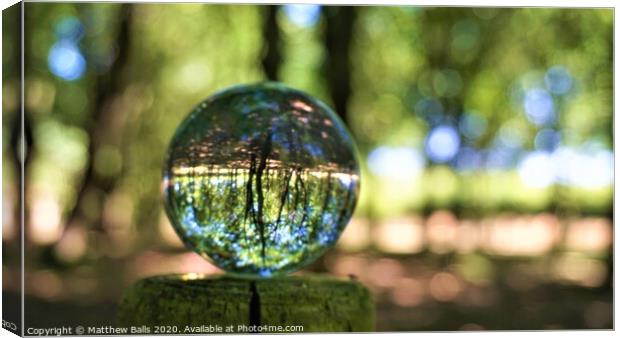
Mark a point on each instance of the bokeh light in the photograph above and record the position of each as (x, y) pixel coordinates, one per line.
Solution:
(539, 106)
(547, 139)
(558, 80)
(466, 34)
(469, 159)
(303, 15)
(66, 61)
(537, 169)
(430, 109)
(398, 163)
(69, 28)
(472, 125)
(402, 235)
(442, 143)
(583, 167)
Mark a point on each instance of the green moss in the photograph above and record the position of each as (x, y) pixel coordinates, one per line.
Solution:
(318, 303)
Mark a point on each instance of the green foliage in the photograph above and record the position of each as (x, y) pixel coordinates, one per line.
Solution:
(105, 133)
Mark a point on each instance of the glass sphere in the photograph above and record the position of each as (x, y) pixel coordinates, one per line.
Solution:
(261, 179)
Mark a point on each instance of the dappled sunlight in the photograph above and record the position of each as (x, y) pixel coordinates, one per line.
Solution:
(403, 236)
(408, 292)
(444, 286)
(515, 236)
(10, 226)
(441, 231)
(580, 270)
(589, 235)
(505, 235)
(45, 222)
(73, 244)
(356, 235)
(154, 263)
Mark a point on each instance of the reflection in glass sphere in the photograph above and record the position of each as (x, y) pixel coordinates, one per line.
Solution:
(261, 179)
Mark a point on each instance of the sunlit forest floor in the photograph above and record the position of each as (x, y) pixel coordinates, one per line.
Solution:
(546, 307)
(508, 302)
(524, 272)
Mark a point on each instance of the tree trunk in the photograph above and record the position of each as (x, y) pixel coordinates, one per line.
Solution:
(337, 70)
(271, 37)
(318, 303)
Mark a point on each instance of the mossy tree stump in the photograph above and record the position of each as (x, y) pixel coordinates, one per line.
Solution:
(318, 303)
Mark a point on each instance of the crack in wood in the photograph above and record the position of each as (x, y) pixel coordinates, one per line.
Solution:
(255, 316)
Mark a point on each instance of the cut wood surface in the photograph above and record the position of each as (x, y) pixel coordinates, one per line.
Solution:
(317, 303)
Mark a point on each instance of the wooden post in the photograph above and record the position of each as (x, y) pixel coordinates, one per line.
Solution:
(188, 303)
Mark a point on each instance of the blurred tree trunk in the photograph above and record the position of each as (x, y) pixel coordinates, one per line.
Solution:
(271, 37)
(110, 86)
(12, 122)
(22, 143)
(337, 68)
(12, 71)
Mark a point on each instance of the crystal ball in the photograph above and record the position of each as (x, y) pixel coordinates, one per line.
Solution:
(261, 179)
